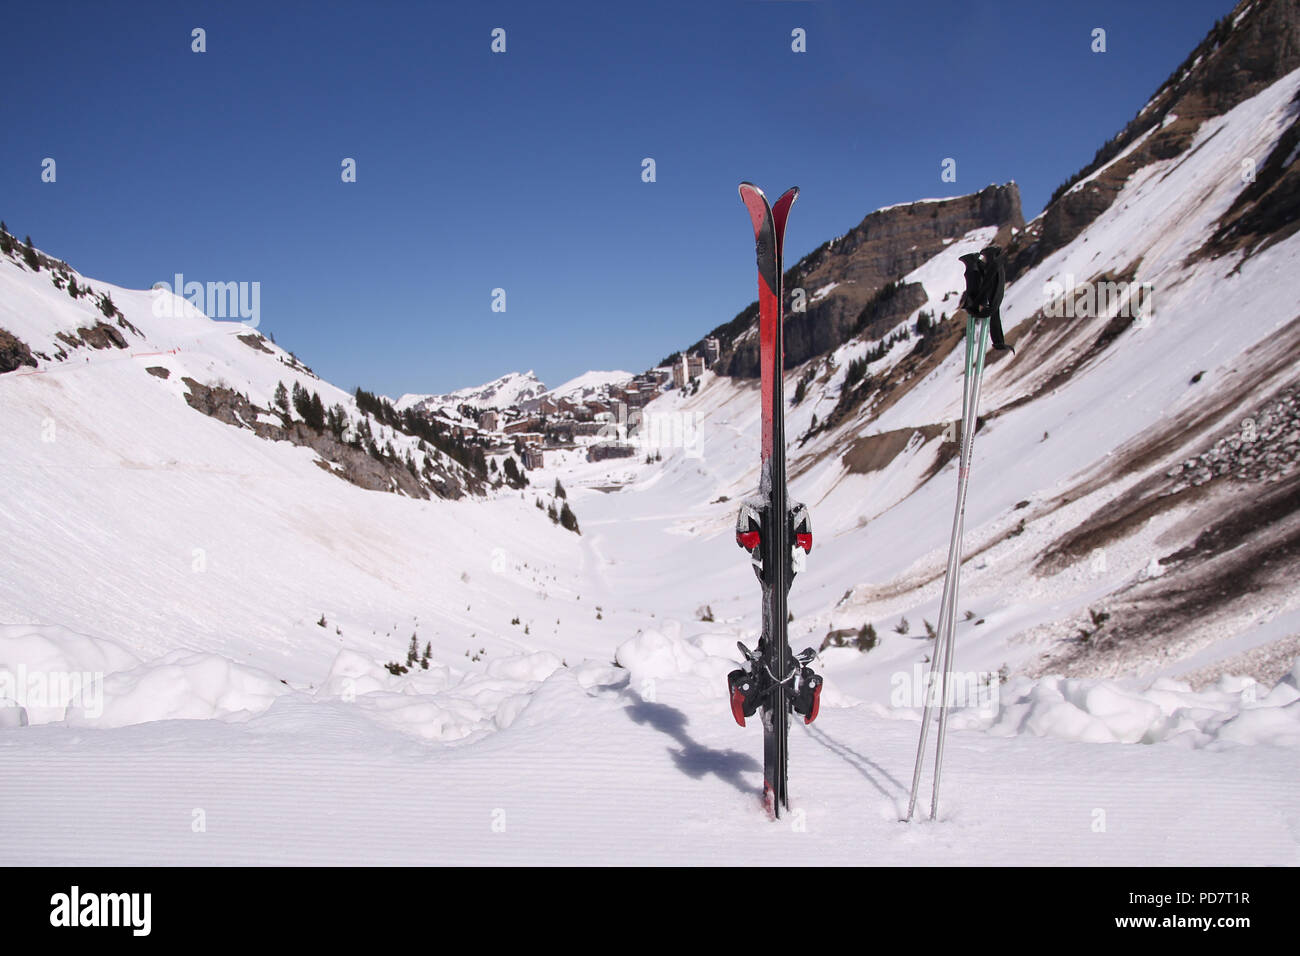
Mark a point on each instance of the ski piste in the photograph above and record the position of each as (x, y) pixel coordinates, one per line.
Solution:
(777, 535)
(982, 300)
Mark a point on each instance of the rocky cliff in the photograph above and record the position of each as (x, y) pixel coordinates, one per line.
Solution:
(1246, 51)
(848, 284)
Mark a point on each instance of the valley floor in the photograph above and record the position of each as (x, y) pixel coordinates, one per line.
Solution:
(640, 764)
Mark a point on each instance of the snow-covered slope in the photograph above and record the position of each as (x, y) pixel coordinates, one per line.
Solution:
(232, 605)
(1133, 504)
(514, 388)
(133, 518)
(522, 389)
(589, 384)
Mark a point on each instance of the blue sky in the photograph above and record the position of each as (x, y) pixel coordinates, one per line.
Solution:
(522, 170)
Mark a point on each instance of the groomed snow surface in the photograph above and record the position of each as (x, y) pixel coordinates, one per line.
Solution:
(635, 764)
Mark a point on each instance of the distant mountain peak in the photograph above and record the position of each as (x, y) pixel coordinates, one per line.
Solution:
(513, 388)
(590, 383)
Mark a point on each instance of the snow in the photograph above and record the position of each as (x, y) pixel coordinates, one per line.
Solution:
(918, 202)
(656, 654)
(514, 388)
(50, 670)
(593, 772)
(1235, 711)
(589, 383)
(182, 686)
(823, 291)
(200, 619)
(1121, 155)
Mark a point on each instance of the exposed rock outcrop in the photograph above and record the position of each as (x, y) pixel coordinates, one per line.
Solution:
(348, 461)
(1265, 448)
(1243, 53)
(858, 267)
(14, 353)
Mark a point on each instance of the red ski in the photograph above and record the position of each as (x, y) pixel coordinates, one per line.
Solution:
(770, 529)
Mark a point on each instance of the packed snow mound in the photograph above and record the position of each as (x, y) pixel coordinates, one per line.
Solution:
(353, 674)
(51, 647)
(526, 668)
(1235, 710)
(182, 686)
(51, 674)
(438, 703)
(663, 654)
(48, 671)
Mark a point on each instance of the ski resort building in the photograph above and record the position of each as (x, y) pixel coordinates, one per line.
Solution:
(712, 349)
(679, 373)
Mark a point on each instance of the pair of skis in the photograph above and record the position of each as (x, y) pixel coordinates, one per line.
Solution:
(776, 533)
(982, 300)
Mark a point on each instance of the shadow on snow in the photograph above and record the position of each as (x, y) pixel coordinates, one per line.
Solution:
(864, 765)
(693, 758)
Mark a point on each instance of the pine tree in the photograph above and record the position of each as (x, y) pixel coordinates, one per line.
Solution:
(315, 416)
(29, 256)
(568, 519)
(513, 476)
(413, 652)
(282, 398)
(559, 489)
(867, 638)
(337, 420)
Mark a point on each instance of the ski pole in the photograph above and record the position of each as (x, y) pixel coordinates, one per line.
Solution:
(985, 280)
(948, 599)
(968, 449)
